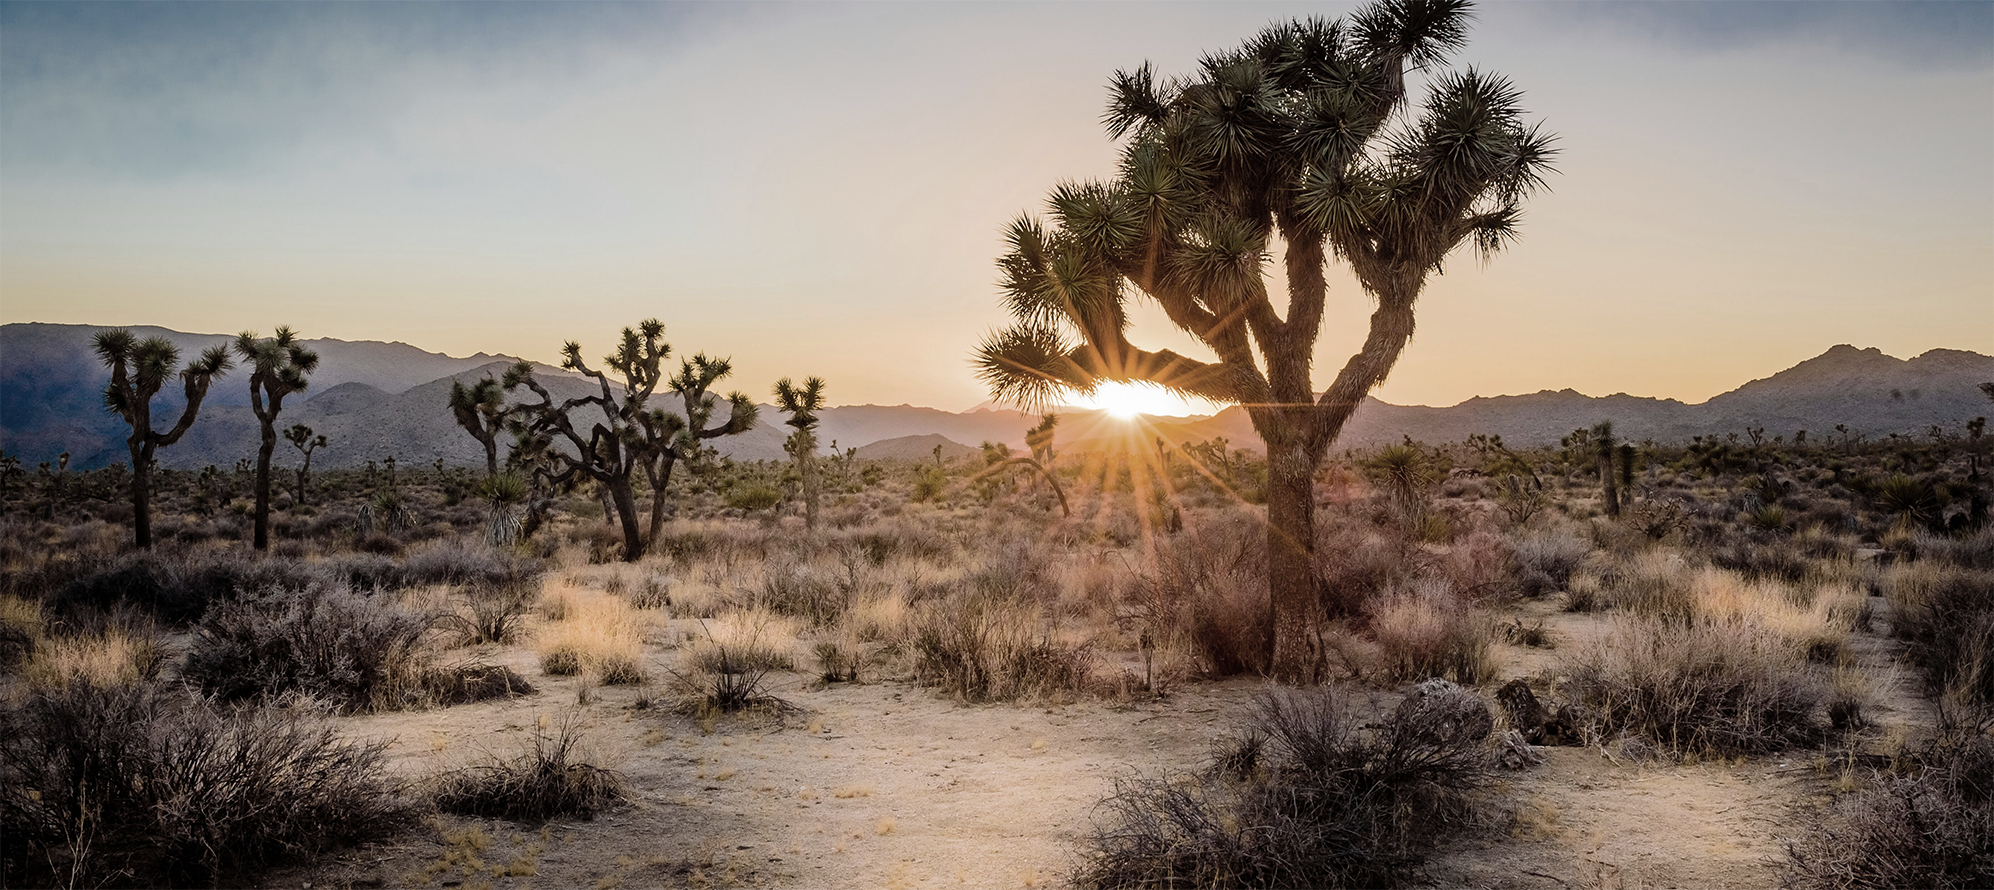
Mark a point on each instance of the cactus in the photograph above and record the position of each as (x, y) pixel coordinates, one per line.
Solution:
(138, 369)
(278, 367)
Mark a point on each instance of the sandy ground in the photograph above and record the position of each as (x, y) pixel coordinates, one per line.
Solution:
(885, 784)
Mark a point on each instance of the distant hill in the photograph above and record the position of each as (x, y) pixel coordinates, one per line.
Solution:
(375, 400)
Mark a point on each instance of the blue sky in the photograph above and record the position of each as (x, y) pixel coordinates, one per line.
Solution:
(820, 188)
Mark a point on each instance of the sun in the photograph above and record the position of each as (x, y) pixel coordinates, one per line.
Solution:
(1126, 400)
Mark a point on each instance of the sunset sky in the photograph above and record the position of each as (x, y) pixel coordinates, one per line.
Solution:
(820, 189)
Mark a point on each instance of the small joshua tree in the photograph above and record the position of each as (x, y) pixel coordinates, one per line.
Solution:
(679, 439)
(1602, 440)
(301, 438)
(278, 367)
(481, 410)
(802, 403)
(138, 369)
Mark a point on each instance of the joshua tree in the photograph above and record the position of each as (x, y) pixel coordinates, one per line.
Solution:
(1039, 440)
(481, 410)
(1603, 443)
(1302, 134)
(802, 403)
(278, 367)
(302, 439)
(677, 438)
(138, 369)
(630, 434)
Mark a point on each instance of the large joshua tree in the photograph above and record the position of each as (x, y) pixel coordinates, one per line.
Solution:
(630, 435)
(1301, 136)
(278, 367)
(138, 369)
(802, 403)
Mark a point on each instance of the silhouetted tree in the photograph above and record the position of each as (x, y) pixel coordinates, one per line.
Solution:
(1602, 440)
(802, 403)
(630, 435)
(138, 369)
(481, 410)
(278, 367)
(681, 438)
(1301, 134)
(301, 438)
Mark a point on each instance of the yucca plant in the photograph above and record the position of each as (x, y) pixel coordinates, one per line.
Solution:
(1302, 134)
(138, 369)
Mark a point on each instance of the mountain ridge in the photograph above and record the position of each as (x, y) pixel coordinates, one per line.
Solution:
(368, 402)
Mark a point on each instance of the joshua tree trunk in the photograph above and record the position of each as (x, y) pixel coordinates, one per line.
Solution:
(263, 454)
(1294, 589)
(141, 497)
(812, 487)
(625, 502)
(657, 481)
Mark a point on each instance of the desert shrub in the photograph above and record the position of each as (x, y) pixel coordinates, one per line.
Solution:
(1356, 563)
(839, 661)
(1929, 824)
(497, 609)
(1947, 616)
(1721, 686)
(985, 648)
(1656, 584)
(550, 778)
(1425, 631)
(362, 571)
(1481, 565)
(1971, 551)
(725, 667)
(459, 684)
(1775, 560)
(360, 653)
(1207, 591)
(1544, 562)
(141, 785)
(796, 587)
(1303, 798)
(466, 562)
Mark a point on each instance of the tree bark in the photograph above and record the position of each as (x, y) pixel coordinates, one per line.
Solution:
(141, 499)
(263, 453)
(1609, 490)
(625, 502)
(1295, 593)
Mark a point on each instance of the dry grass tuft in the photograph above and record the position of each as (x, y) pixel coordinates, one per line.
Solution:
(602, 638)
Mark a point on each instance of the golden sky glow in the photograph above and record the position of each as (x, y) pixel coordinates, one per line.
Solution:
(820, 188)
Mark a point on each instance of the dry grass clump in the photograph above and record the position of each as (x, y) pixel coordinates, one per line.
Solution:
(139, 785)
(21, 630)
(601, 637)
(1303, 798)
(360, 653)
(119, 656)
(551, 777)
(1929, 823)
(1717, 685)
(1424, 630)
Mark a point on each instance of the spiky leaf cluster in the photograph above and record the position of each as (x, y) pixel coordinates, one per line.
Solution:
(1302, 134)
